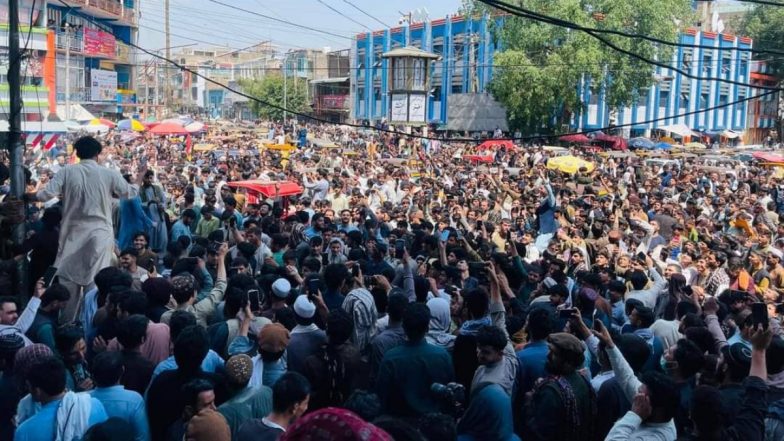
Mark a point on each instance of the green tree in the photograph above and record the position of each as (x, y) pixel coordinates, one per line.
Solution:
(765, 25)
(540, 66)
(270, 89)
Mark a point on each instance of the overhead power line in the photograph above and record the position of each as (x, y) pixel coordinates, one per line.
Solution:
(344, 15)
(756, 2)
(395, 132)
(367, 14)
(554, 20)
(290, 23)
(524, 13)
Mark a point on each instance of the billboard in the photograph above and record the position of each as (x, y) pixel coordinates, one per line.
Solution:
(103, 85)
(99, 43)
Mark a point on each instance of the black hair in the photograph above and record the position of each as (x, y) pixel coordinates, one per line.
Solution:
(689, 357)
(235, 301)
(702, 337)
(634, 349)
(540, 323)
(180, 320)
(129, 252)
(477, 302)
(312, 264)
(65, 337)
(363, 403)
(685, 307)
(416, 321)
(87, 147)
(398, 429)
(193, 388)
(135, 302)
(340, 326)
(286, 317)
(113, 429)
(638, 279)
(708, 411)
(645, 315)
(190, 348)
(438, 427)
(132, 330)
(491, 336)
(144, 234)
(48, 375)
(617, 286)
(662, 392)
(692, 320)
(631, 305)
(774, 356)
(290, 389)
(334, 275)
(107, 368)
(397, 307)
(54, 293)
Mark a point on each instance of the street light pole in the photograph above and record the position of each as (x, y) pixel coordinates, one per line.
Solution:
(15, 145)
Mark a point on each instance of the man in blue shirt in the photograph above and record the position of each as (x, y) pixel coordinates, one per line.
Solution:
(183, 226)
(47, 387)
(335, 276)
(533, 357)
(107, 368)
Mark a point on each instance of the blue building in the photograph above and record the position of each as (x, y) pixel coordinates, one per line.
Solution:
(464, 44)
(466, 48)
(675, 94)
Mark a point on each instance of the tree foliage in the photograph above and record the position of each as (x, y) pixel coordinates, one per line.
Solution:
(539, 67)
(765, 25)
(270, 89)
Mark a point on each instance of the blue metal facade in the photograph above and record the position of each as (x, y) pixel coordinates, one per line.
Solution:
(464, 45)
(467, 51)
(674, 94)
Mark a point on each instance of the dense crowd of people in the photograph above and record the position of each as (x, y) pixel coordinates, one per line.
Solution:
(407, 294)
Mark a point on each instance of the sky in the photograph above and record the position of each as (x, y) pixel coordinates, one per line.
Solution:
(204, 22)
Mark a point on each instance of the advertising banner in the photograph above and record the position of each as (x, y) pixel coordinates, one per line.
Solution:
(99, 43)
(103, 85)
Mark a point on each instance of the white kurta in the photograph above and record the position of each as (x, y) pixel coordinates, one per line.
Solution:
(86, 234)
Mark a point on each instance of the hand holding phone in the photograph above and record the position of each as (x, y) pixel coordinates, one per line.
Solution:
(759, 315)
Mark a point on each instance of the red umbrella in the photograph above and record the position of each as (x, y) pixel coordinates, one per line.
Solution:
(269, 189)
(479, 158)
(168, 129)
(768, 157)
(577, 138)
(497, 144)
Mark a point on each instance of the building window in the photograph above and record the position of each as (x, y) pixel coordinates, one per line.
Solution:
(377, 94)
(707, 62)
(438, 48)
(684, 101)
(361, 93)
(436, 93)
(703, 101)
(400, 74)
(419, 74)
(457, 88)
(664, 96)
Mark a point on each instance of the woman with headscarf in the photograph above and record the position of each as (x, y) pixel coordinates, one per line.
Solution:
(489, 416)
(360, 304)
(440, 324)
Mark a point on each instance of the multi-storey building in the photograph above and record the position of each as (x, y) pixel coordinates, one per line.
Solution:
(674, 95)
(763, 113)
(101, 73)
(467, 49)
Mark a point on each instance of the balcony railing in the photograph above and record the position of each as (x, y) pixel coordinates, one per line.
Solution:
(77, 44)
(111, 6)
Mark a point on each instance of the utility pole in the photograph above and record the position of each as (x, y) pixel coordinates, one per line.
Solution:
(168, 49)
(67, 71)
(15, 145)
(285, 88)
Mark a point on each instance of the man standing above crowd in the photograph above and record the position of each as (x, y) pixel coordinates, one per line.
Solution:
(86, 232)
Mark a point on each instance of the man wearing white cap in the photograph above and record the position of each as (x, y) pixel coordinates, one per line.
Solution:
(281, 288)
(306, 337)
